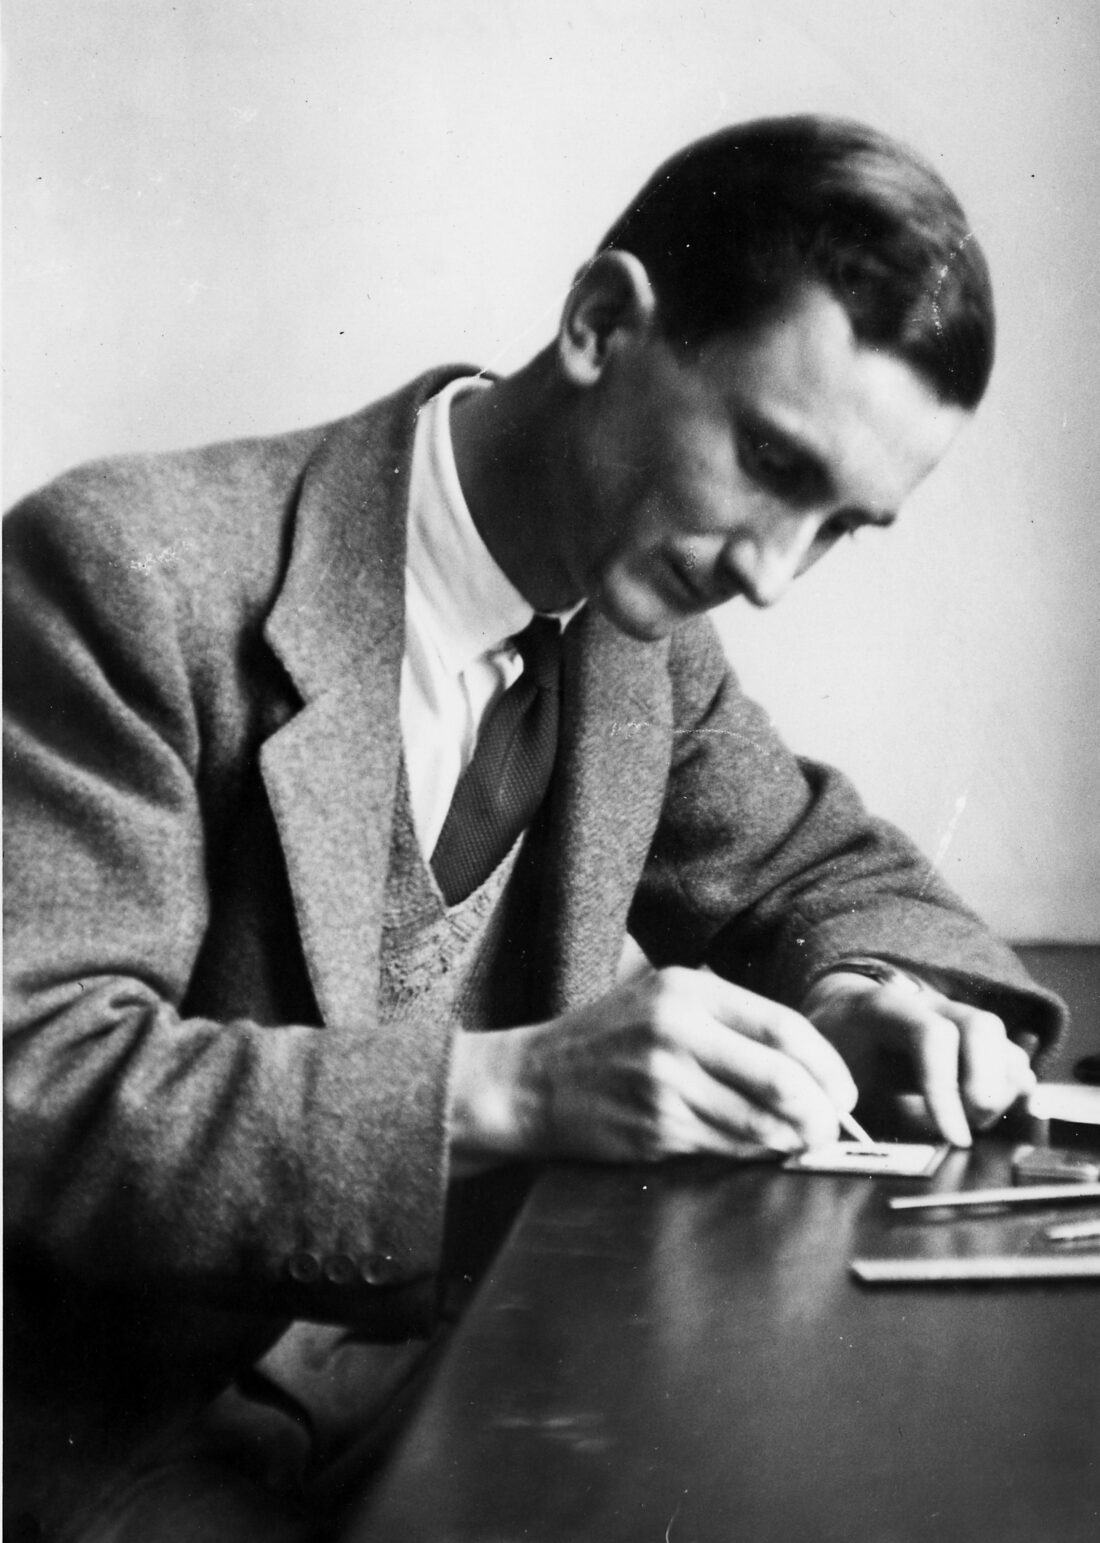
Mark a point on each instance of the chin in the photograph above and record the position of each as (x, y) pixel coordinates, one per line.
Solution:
(643, 623)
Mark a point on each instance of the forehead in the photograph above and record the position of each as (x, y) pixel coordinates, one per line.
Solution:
(866, 414)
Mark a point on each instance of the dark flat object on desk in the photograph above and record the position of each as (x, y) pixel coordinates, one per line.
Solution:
(1087, 1069)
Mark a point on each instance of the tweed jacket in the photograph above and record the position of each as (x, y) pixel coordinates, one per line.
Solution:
(210, 1129)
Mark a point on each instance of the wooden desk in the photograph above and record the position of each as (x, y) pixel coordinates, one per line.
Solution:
(682, 1354)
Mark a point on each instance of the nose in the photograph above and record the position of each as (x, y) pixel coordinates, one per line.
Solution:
(764, 563)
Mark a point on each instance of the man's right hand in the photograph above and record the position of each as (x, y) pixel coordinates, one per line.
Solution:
(677, 1061)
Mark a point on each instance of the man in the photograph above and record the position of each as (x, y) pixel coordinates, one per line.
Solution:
(277, 986)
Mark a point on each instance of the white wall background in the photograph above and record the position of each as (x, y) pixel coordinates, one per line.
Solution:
(229, 216)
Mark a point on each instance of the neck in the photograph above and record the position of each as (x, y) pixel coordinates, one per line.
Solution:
(509, 450)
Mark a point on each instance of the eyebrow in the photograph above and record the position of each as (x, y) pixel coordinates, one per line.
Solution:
(815, 464)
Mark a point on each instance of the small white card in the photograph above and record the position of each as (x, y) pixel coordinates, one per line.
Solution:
(890, 1159)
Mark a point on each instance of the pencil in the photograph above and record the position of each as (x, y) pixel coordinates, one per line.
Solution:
(855, 1130)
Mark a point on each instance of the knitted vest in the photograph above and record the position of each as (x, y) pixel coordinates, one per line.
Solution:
(468, 963)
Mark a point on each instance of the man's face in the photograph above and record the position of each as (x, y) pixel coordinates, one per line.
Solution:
(731, 468)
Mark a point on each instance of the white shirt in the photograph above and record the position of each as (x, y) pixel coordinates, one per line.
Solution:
(460, 611)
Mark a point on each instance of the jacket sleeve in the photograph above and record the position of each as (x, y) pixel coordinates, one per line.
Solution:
(294, 1169)
(768, 868)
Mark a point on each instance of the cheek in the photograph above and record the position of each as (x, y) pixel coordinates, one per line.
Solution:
(660, 482)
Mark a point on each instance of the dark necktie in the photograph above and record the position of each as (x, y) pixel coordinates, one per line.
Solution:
(500, 791)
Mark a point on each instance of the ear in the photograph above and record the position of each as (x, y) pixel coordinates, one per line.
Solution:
(611, 302)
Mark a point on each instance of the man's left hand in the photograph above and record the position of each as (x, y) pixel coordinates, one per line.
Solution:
(965, 1065)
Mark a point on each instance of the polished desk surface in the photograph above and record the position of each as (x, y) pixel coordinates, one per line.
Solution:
(681, 1353)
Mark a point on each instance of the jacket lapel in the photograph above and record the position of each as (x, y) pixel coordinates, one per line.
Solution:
(610, 780)
(338, 629)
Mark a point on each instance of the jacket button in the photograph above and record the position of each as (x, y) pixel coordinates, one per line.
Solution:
(304, 1267)
(379, 1269)
(340, 1270)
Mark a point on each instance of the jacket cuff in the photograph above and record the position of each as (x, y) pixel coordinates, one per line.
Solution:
(878, 970)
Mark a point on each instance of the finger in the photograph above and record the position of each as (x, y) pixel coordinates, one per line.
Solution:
(1024, 1072)
(788, 1108)
(1020, 1077)
(993, 1072)
(782, 1029)
(710, 1116)
(934, 1041)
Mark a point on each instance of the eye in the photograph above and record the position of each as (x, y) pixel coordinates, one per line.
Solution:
(775, 465)
(834, 529)
(762, 457)
(841, 525)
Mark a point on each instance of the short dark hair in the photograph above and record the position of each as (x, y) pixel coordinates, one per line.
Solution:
(734, 224)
